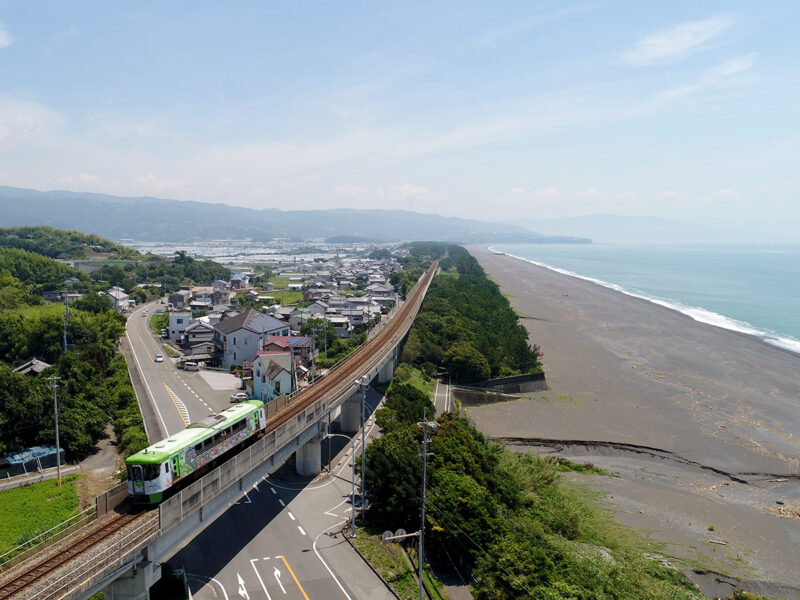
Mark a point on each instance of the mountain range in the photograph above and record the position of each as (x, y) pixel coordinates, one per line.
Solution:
(158, 219)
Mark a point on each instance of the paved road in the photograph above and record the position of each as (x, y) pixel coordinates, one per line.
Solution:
(179, 398)
(442, 398)
(281, 540)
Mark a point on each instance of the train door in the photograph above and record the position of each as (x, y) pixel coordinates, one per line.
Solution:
(262, 419)
(137, 478)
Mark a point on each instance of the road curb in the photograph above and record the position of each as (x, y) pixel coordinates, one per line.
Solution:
(344, 532)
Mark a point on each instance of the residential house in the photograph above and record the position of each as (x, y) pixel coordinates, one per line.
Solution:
(240, 338)
(180, 299)
(221, 293)
(177, 323)
(272, 375)
(240, 281)
(198, 331)
(32, 367)
(318, 309)
(119, 297)
(299, 316)
(301, 345)
(341, 325)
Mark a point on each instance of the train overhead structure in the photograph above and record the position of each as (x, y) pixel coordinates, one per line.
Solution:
(126, 561)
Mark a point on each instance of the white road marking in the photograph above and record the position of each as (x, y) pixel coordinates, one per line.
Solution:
(201, 577)
(327, 512)
(281, 502)
(261, 581)
(272, 489)
(255, 487)
(324, 564)
(265, 558)
(242, 589)
(277, 574)
(302, 531)
(179, 405)
(291, 516)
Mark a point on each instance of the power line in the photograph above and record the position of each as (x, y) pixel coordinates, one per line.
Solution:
(477, 545)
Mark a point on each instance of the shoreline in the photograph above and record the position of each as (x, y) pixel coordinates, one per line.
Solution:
(719, 408)
(696, 313)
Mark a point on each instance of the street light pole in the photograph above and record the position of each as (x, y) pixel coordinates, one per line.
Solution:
(54, 384)
(363, 448)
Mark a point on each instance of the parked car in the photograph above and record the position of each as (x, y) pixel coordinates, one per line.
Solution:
(159, 357)
(191, 366)
(239, 397)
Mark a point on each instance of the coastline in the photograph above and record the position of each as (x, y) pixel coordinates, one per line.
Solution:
(699, 314)
(719, 407)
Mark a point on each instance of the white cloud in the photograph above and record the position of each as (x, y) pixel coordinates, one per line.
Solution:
(712, 77)
(5, 37)
(679, 42)
(81, 180)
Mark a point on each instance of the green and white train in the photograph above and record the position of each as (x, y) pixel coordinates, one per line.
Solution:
(158, 469)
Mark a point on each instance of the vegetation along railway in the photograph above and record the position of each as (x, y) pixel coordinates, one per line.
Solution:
(15, 581)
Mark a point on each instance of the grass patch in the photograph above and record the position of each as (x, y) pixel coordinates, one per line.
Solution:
(159, 322)
(39, 312)
(405, 373)
(388, 560)
(28, 511)
(563, 465)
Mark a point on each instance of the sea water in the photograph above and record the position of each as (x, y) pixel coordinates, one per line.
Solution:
(751, 289)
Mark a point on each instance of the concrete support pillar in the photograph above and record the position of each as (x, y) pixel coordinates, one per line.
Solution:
(308, 458)
(135, 584)
(387, 370)
(350, 418)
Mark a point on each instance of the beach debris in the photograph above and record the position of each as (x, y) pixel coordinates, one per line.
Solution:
(720, 542)
(778, 480)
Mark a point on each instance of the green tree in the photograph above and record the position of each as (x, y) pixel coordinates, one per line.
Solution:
(93, 303)
(466, 363)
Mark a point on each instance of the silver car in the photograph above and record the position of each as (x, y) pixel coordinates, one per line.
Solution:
(239, 397)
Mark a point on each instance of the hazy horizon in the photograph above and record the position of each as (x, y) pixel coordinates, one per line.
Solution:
(511, 113)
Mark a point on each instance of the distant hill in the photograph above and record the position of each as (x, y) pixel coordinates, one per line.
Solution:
(155, 219)
(62, 244)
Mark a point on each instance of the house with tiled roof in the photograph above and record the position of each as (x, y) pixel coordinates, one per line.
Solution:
(272, 375)
(239, 338)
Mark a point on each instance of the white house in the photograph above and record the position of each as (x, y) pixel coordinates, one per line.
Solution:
(119, 297)
(272, 375)
(239, 338)
(177, 323)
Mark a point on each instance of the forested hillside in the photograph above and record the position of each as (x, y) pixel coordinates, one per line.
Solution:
(93, 386)
(62, 243)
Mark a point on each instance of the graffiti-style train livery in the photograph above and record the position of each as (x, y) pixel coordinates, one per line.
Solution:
(161, 467)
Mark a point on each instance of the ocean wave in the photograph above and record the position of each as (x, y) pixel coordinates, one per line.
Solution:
(697, 313)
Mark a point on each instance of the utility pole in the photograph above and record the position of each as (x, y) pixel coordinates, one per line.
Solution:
(363, 449)
(425, 455)
(54, 384)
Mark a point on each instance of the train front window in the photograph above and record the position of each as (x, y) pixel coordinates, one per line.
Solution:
(151, 471)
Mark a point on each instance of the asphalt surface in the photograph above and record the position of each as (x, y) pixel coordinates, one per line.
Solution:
(178, 398)
(283, 540)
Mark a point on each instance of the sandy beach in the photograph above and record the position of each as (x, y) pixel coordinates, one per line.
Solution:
(700, 423)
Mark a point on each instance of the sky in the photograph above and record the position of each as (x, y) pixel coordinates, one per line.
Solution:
(507, 111)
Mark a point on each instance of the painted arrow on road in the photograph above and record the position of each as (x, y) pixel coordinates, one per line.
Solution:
(277, 574)
(242, 589)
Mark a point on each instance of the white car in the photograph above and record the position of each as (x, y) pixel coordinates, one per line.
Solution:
(239, 397)
(159, 358)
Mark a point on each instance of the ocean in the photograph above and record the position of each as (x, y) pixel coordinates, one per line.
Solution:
(753, 289)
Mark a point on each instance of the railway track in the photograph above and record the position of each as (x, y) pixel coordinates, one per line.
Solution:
(37, 570)
(339, 377)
